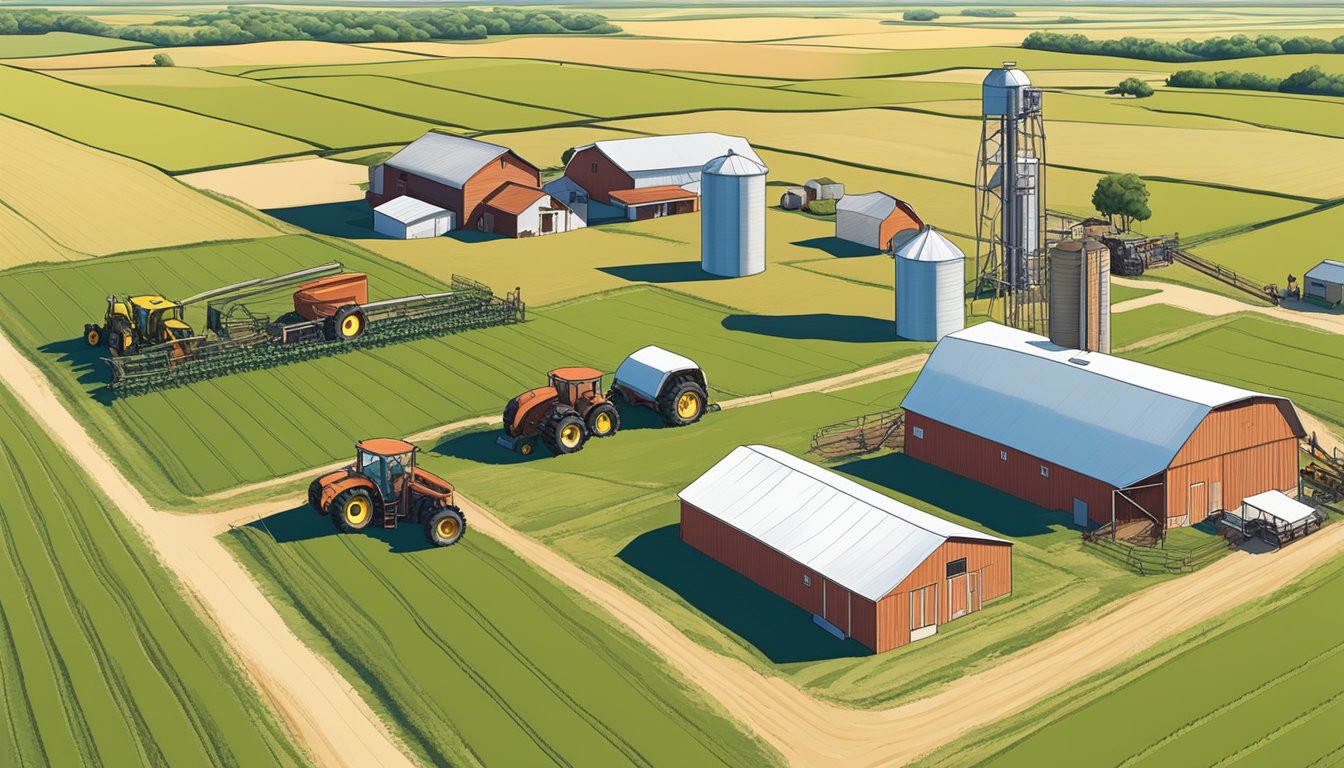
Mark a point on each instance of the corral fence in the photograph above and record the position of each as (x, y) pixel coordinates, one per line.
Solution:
(861, 435)
(1149, 561)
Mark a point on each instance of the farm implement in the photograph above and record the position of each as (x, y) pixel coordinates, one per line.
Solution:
(384, 484)
(1323, 472)
(572, 407)
(150, 345)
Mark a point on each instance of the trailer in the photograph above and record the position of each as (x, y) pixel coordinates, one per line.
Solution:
(1132, 254)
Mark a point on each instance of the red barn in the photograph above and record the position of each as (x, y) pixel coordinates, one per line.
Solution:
(1108, 439)
(865, 565)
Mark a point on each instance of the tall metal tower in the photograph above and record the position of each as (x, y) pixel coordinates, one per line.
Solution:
(1010, 255)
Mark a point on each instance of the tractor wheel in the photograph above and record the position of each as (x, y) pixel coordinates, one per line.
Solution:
(564, 432)
(603, 420)
(348, 324)
(446, 527)
(315, 497)
(93, 335)
(351, 510)
(682, 403)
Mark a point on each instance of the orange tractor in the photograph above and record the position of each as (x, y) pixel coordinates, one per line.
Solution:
(383, 482)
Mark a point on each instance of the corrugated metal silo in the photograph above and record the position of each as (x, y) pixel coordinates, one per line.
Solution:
(732, 216)
(1080, 295)
(930, 287)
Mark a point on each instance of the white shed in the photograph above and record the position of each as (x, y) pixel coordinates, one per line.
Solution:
(873, 219)
(406, 218)
(824, 189)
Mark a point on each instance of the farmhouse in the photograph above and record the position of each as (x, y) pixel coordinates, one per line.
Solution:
(1112, 440)
(874, 219)
(1324, 283)
(865, 565)
(458, 175)
(517, 210)
(619, 178)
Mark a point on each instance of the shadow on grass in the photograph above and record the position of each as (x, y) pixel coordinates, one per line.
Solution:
(780, 630)
(997, 511)
(834, 246)
(823, 327)
(480, 447)
(303, 524)
(665, 272)
(86, 363)
(350, 218)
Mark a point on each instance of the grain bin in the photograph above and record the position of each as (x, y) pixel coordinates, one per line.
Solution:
(732, 216)
(1080, 295)
(930, 287)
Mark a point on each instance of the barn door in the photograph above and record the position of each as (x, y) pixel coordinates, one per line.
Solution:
(836, 607)
(1080, 513)
(958, 596)
(1196, 506)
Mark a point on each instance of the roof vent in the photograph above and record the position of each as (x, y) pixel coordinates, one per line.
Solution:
(1010, 65)
(1079, 361)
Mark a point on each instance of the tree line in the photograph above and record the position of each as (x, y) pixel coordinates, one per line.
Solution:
(1212, 49)
(253, 24)
(1312, 81)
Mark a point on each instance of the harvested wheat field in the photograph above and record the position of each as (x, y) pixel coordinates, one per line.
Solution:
(62, 189)
(751, 29)
(294, 52)
(307, 181)
(23, 243)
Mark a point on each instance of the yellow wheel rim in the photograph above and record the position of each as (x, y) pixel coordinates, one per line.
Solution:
(92, 338)
(688, 405)
(357, 511)
(602, 423)
(351, 325)
(526, 450)
(569, 436)
(447, 528)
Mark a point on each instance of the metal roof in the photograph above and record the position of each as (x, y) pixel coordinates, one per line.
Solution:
(1277, 504)
(1007, 77)
(1329, 271)
(733, 164)
(684, 150)
(929, 245)
(408, 210)
(1101, 416)
(846, 532)
(646, 195)
(646, 368)
(514, 198)
(879, 205)
(445, 158)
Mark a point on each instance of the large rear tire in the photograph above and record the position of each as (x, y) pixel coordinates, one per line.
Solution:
(683, 402)
(351, 510)
(315, 496)
(603, 420)
(446, 527)
(564, 432)
(93, 335)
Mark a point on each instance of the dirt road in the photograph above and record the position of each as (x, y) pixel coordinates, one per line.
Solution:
(328, 717)
(1207, 303)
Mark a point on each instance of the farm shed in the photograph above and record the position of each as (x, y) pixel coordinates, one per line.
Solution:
(793, 199)
(823, 189)
(1324, 283)
(516, 210)
(865, 565)
(1108, 439)
(406, 218)
(605, 167)
(874, 219)
(451, 172)
(655, 202)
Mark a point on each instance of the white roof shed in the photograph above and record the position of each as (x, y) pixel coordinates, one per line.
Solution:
(850, 534)
(409, 210)
(1105, 417)
(1328, 271)
(445, 158)
(1277, 505)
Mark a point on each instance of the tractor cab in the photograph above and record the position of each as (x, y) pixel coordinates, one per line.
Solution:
(386, 463)
(576, 385)
(157, 319)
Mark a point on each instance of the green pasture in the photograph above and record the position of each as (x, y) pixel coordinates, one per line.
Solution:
(1121, 293)
(104, 661)
(161, 136)
(1273, 110)
(1273, 252)
(208, 436)
(1199, 703)
(1148, 322)
(476, 658)
(320, 121)
(58, 44)
(613, 509)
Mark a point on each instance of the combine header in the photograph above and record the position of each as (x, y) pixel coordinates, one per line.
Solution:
(151, 346)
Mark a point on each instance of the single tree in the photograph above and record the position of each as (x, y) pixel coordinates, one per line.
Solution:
(919, 14)
(163, 60)
(1123, 195)
(1133, 86)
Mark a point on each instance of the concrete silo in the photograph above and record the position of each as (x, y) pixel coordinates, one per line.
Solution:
(732, 216)
(930, 287)
(1080, 295)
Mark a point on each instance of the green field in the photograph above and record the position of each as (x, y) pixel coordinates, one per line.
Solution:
(149, 132)
(59, 43)
(253, 426)
(478, 658)
(1198, 699)
(1272, 253)
(104, 662)
(1293, 113)
(1148, 322)
(312, 119)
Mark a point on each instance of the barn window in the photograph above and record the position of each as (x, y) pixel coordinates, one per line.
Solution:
(1003, 455)
(919, 433)
(956, 567)
(594, 167)
(501, 161)
(1045, 471)
(807, 580)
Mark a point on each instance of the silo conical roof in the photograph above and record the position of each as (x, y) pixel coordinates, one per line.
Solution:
(733, 164)
(929, 245)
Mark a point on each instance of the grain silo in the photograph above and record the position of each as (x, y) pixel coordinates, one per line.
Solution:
(930, 287)
(732, 216)
(1080, 295)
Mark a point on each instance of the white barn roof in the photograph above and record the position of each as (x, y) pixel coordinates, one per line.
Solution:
(444, 158)
(929, 245)
(1105, 417)
(878, 205)
(685, 150)
(1328, 271)
(852, 535)
(408, 210)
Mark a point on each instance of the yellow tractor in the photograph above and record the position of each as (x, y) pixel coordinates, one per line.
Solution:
(138, 321)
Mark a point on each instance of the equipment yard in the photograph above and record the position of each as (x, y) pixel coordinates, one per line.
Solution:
(310, 351)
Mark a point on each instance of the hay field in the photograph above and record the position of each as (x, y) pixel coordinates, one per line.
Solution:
(285, 183)
(319, 121)
(151, 133)
(1050, 78)
(295, 53)
(62, 189)
(106, 663)
(1323, 115)
(751, 28)
(59, 43)
(1272, 253)
(23, 243)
